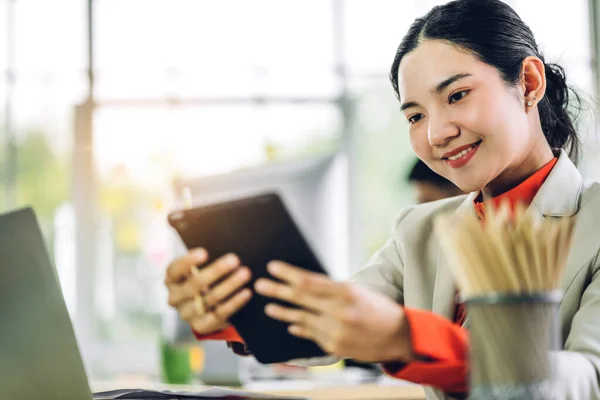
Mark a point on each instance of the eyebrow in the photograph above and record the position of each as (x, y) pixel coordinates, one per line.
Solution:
(447, 82)
(409, 104)
(438, 89)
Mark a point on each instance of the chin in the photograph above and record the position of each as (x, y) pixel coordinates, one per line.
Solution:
(471, 179)
(468, 186)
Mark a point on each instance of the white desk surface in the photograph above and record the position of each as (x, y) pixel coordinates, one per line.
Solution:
(314, 391)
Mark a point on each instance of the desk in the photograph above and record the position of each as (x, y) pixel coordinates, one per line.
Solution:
(358, 392)
(347, 392)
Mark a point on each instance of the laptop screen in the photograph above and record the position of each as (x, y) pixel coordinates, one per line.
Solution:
(39, 357)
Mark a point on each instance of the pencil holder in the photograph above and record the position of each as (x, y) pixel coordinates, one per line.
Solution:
(511, 336)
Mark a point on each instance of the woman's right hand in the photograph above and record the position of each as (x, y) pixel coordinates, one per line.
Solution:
(219, 284)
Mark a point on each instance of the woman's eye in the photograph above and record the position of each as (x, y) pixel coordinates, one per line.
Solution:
(415, 118)
(458, 96)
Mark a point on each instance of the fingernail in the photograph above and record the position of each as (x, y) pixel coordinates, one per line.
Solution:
(273, 266)
(231, 260)
(261, 286)
(293, 329)
(243, 273)
(199, 253)
(270, 309)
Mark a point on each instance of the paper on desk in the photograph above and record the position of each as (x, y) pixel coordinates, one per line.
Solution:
(212, 393)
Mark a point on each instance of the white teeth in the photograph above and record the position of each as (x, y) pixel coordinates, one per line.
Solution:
(461, 154)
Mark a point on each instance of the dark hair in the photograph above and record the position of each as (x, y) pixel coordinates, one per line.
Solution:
(420, 172)
(494, 33)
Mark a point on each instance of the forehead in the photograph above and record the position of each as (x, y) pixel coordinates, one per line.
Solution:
(432, 62)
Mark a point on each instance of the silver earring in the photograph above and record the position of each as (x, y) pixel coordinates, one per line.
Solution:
(530, 103)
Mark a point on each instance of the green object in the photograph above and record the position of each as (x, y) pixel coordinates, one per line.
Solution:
(175, 364)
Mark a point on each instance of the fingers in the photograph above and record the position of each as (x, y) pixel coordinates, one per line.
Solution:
(178, 295)
(302, 332)
(226, 288)
(330, 339)
(201, 280)
(290, 315)
(304, 324)
(314, 283)
(179, 269)
(204, 325)
(187, 311)
(214, 272)
(225, 310)
(292, 294)
(221, 314)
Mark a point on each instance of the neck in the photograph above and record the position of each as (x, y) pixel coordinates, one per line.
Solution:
(517, 174)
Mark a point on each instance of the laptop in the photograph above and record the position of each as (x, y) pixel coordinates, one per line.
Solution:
(39, 357)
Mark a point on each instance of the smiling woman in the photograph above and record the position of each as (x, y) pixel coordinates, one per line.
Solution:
(487, 112)
(455, 116)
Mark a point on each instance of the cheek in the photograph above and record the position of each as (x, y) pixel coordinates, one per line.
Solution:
(420, 143)
(497, 120)
(484, 118)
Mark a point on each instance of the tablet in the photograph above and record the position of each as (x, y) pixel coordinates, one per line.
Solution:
(258, 229)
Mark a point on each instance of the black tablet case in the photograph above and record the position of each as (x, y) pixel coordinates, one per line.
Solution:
(258, 229)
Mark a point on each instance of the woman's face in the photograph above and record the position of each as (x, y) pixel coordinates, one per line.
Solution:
(464, 121)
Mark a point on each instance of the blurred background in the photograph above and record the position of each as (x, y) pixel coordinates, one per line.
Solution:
(106, 104)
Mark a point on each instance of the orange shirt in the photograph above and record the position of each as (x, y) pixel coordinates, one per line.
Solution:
(524, 193)
(228, 334)
(440, 346)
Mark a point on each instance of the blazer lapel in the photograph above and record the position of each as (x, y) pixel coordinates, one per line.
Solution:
(560, 196)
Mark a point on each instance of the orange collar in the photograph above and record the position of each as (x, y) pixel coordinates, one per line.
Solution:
(524, 192)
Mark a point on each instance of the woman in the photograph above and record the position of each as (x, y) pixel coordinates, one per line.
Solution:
(489, 114)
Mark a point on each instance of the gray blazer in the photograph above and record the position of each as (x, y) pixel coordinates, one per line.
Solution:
(410, 269)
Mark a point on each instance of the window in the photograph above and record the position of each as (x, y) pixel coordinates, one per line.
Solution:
(190, 88)
(193, 90)
(382, 152)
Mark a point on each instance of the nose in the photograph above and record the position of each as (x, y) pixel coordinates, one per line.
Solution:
(441, 130)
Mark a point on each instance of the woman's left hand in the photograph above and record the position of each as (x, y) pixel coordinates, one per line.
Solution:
(344, 319)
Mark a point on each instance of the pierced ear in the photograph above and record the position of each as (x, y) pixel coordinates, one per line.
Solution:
(533, 78)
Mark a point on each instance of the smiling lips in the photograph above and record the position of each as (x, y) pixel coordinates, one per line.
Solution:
(461, 155)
